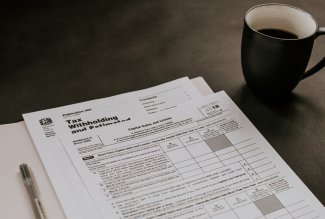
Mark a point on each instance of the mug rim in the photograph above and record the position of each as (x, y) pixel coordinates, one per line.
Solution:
(285, 5)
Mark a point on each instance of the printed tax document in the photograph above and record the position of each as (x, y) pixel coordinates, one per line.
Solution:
(45, 133)
(202, 159)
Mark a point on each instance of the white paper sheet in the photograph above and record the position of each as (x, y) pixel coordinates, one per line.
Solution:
(70, 189)
(16, 147)
(203, 159)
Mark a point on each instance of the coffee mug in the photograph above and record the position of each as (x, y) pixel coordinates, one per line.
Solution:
(276, 46)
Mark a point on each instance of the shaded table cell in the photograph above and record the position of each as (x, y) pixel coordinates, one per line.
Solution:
(269, 204)
(218, 143)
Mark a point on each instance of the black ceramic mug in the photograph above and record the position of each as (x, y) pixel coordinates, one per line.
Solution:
(276, 46)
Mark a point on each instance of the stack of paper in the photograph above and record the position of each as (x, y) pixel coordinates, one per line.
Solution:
(165, 152)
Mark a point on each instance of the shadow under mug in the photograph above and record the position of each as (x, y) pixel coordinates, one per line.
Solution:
(274, 65)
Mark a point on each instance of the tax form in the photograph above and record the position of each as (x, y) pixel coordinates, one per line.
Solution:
(202, 159)
(42, 126)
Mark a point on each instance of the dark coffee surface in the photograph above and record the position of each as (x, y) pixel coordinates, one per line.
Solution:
(277, 33)
(58, 53)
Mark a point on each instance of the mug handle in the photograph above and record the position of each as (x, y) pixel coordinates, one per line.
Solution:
(319, 65)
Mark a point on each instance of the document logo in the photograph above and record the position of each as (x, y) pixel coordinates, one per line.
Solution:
(46, 121)
(47, 126)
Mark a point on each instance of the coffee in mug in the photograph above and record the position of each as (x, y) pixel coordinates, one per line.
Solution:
(277, 33)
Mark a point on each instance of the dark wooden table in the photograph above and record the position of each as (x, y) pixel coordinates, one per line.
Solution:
(53, 54)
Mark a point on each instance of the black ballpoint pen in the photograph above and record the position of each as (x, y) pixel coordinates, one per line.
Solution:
(33, 194)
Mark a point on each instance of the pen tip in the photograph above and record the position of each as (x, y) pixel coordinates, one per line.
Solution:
(22, 166)
(24, 169)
